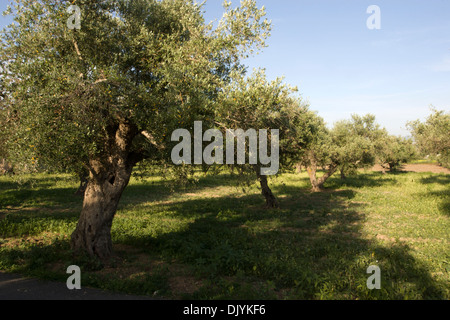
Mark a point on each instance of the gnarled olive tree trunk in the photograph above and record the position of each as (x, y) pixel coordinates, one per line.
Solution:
(317, 183)
(271, 200)
(101, 198)
(108, 178)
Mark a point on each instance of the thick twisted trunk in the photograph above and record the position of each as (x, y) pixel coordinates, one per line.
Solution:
(313, 179)
(108, 179)
(101, 198)
(318, 183)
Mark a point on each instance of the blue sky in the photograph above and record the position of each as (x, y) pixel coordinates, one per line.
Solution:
(341, 67)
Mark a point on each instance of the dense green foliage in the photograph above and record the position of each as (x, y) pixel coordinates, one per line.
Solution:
(432, 136)
(154, 65)
(394, 151)
(99, 100)
(355, 142)
(103, 98)
(349, 145)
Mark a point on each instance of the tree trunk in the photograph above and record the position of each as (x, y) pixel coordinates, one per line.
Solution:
(343, 176)
(331, 170)
(108, 178)
(317, 184)
(271, 200)
(101, 198)
(84, 179)
(394, 166)
(312, 169)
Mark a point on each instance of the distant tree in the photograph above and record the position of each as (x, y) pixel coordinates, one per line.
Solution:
(313, 148)
(106, 97)
(349, 145)
(254, 103)
(394, 151)
(432, 137)
(355, 142)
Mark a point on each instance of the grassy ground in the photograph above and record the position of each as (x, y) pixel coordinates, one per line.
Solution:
(216, 242)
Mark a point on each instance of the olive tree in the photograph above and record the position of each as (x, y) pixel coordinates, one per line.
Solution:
(264, 112)
(309, 145)
(432, 137)
(107, 96)
(394, 151)
(356, 142)
(349, 145)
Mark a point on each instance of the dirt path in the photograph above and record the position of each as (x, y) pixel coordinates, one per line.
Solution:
(419, 168)
(16, 287)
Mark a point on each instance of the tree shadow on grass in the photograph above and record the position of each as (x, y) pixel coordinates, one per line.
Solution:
(29, 212)
(6, 184)
(437, 179)
(406, 277)
(40, 190)
(443, 196)
(45, 198)
(311, 248)
(51, 197)
(142, 191)
(361, 180)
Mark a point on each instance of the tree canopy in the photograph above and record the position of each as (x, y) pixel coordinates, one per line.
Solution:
(349, 145)
(100, 99)
(152, 64)
(106, 96)
(252, 103)
(394, 151)
(432, 137)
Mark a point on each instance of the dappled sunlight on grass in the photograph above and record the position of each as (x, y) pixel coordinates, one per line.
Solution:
(212, 241)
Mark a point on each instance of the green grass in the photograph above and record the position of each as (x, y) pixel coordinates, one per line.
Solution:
(423, 161)
(213, 241)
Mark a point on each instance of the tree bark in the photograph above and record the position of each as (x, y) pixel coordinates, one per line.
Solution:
(93, 232)
(331, 170)
(343, 176)
(317, 184)
(312, 178)
(271, 200)
(108, 179)
(311, 168)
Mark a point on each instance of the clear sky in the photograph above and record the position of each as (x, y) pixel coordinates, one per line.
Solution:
(341, 67)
